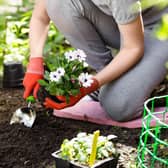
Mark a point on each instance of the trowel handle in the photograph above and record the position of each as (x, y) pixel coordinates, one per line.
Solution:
(30, 99)
(29, 104)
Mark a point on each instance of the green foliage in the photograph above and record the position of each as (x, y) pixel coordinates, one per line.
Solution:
(68, 84)
(56, 43)
(28, 4)
(14, 41)
(2, 40)
(150, 3)
(2, 2)
(78, 149)
(162, 30)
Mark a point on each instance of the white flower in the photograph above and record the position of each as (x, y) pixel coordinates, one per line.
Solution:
(20, 58)
(54, 76)
(10, 37)
(76, 54)
(102, 138)
(80, 55)
(8, 58)
(88, 150)
(85, 64)
(81, 135)
(110, 137)
(85, 79)
(60, 71)
(70, 56)
(82, 157)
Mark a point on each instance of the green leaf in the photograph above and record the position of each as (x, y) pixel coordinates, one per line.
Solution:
(74, 92)
(47, 75)
(43, 82)
(60, 91)
(66, 77)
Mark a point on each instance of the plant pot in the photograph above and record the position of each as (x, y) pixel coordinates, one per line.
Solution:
(106, 163)
(13, 75)
(42, 94)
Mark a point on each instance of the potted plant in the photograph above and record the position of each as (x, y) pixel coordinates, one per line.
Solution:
(87, 150)
(65, 74)
(13, 70)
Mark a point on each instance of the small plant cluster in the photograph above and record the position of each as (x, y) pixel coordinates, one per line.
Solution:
(66, 74)
(14, 41)
(79, 148)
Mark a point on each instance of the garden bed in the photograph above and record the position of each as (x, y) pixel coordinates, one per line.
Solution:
(22, 147)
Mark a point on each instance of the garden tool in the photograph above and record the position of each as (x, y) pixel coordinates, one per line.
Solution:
(25, 115)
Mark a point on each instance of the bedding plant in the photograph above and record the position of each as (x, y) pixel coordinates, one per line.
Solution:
(66, 73)
(89, 150)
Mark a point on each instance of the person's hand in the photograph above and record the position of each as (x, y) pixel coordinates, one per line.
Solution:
(49, 103)
(35, 71)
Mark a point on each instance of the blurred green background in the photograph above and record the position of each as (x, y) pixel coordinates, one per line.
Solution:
(14, 27)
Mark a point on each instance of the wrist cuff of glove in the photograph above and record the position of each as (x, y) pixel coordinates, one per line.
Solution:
(36, 65)
(95, 84)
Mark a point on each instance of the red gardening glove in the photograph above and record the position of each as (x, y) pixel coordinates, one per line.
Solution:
(49, 103)
(35, 71)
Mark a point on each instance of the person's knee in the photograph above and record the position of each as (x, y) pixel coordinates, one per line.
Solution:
(118, 110)
(121, 108)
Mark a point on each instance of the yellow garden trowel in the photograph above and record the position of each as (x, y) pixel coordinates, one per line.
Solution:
(25, 115)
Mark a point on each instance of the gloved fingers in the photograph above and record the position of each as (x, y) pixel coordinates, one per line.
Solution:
(61, 98)
(27, 92)
(52, 104)
(36, 88)
(72, 98)
(29, 82)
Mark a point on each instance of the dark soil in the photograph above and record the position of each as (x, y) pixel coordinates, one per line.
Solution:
(22, 147)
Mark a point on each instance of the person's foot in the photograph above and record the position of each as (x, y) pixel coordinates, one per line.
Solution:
(95, 95)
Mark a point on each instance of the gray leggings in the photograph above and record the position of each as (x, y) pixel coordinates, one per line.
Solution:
(88, 28)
